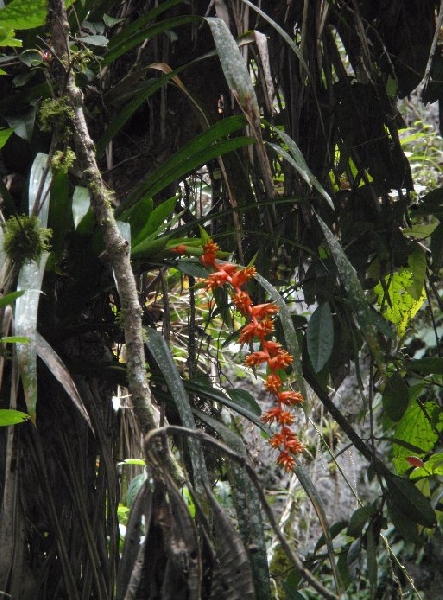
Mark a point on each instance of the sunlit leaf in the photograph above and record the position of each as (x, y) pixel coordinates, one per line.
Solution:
(5, 135)
(19, 14)
(10, 416)
(10, 298)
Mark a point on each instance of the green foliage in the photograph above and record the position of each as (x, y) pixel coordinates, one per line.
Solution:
(9, 416)
(24, 239)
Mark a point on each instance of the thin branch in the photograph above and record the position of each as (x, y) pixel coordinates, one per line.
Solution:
(117, 249)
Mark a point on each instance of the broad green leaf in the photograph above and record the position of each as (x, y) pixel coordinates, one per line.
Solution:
(417, 264)
(395, 397)
(192, 268)
(7, 38)
(23, 123)
(426, 366)
(431, 204)
(418, 429)
(245, 399)
(297, 160)
(369, 321)
(5, 135)
(20, 14)
(433, 466)
(403, 524)
(320, 336)
(401, 306)
(359, 519)
(10, 416)
(420, 230)
(10, 298)
(410, 501)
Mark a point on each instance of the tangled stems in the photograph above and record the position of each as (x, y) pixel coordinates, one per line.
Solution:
(259, 327)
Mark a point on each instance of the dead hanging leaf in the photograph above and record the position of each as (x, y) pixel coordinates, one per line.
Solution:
(61, 373)
(232, 576)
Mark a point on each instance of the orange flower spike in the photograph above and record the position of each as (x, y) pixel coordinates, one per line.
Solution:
(241, 276)
(261, 311)
(289, 397)
(277, 440)
(273, 384)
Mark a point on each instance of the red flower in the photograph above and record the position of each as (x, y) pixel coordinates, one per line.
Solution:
(294, 445)
(261, 311)
(281, 361)
(242, 301)
(273, 384)
(271, 415)
(285, 417)
(228, 268)
(256, 358)
(240, 277)
(210, 250)
(277, 440)
(272, 347)
(286, 461)
(289, 397)
(217, 279)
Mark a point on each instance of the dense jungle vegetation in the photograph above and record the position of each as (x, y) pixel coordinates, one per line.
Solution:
(221, 245)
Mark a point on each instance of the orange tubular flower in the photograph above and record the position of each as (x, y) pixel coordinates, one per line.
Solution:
(286, 460)
(271, 415)
(242, 301)
(217, 279)
(210, 250)
(289, 397)
(294, 446)
(256, 358)
(240, 277)
(273, 384)
(281, 361)
(180, 249)
(285, 417)
(261, 311)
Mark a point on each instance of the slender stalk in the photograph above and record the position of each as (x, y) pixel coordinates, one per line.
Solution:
(117, 249)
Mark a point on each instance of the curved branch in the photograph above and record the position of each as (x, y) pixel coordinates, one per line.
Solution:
(117, 250)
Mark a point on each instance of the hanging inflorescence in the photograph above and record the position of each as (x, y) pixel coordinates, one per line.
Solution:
(259, 328)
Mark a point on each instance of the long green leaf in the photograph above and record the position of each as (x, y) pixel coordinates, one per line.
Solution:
(122, 46)
(201, 149)
(162, 356)
(296, 159)
(10, 298)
